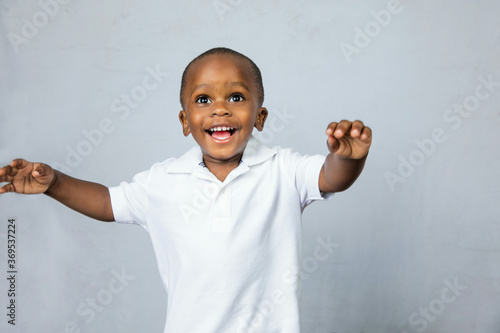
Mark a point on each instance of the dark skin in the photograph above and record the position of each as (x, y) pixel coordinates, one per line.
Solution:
(209, 99)
(348, 143)
(90, 199)
(220, 93)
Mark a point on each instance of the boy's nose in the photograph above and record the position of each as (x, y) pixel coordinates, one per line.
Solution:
(220, 109)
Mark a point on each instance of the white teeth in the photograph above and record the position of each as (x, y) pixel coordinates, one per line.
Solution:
(221, 128)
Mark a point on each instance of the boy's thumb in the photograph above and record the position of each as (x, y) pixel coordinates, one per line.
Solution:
(333, 144)
(39, 171)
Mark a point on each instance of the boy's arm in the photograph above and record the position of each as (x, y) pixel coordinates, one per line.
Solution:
(90, 199)
(348, 143)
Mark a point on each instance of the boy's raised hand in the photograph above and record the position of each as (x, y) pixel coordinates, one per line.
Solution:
(349, 139)
(26, 177)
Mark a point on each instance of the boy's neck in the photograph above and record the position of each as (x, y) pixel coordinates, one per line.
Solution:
(221, 169)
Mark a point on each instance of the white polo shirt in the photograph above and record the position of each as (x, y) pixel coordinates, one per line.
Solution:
(228, 252)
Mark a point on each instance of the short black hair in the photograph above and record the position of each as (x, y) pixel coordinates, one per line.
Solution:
(255, 71)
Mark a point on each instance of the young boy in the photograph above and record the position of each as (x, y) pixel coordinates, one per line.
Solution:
(224, 218)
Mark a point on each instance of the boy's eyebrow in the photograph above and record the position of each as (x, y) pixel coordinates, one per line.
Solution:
(236, 83)
(241, 84)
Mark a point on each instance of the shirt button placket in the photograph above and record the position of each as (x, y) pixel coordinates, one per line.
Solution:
(221, 221)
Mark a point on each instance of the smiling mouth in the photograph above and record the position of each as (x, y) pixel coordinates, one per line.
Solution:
(221, 133)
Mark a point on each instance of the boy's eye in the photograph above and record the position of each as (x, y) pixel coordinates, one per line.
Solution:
(202, 100)
(236, 98)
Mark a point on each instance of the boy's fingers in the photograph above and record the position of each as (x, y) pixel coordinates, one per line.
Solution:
(19, 163)
(356, 128)
(342, 128)
(7, 188)
(332, 143)
(3, 170)
(6, 174)
(366, 134)
(331, 128)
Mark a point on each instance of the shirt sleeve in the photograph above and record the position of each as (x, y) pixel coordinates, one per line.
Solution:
(305, 171)
(130, 201)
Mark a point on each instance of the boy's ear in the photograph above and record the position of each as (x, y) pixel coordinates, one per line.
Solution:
(184, 122)
(261, 118)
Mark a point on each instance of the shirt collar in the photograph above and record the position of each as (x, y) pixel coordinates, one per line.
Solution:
(255, 152)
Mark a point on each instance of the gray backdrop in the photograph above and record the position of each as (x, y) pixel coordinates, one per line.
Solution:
(91, 87)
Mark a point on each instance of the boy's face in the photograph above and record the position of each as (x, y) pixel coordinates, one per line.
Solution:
(221, 107)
